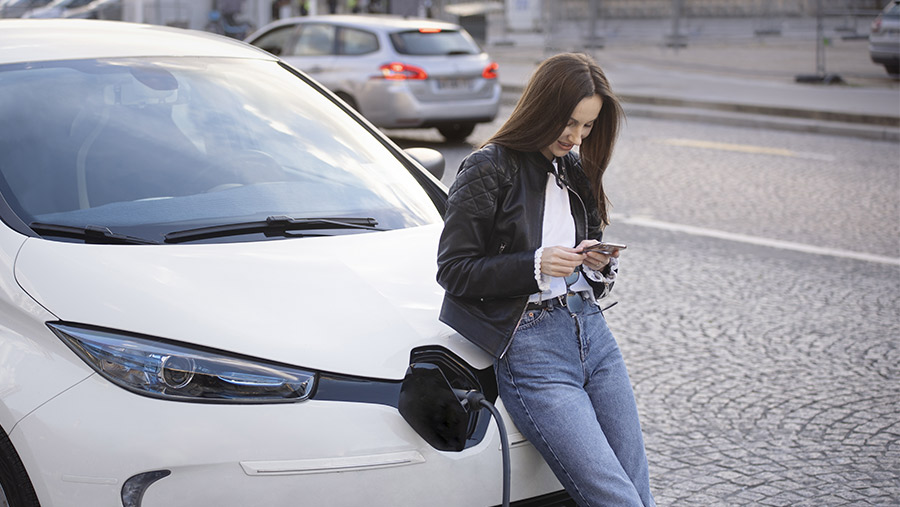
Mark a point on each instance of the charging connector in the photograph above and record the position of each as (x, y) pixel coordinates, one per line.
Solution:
(474, 400)
(444, 416)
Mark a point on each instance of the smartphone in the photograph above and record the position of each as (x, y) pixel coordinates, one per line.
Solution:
(604, 248)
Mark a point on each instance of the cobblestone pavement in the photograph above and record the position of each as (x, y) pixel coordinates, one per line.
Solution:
(763, 377)
(772, 379)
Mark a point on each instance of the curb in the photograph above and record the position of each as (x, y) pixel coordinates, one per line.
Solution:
(765, 121)
(863, 126)
(788, 112)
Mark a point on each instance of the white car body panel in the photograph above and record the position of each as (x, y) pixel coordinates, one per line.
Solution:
(28, 361)
(226, 295)
(390, 464)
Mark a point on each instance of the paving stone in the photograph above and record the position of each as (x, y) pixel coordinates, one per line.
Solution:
(786, 401)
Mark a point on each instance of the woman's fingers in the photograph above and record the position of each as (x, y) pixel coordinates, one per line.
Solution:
(560, 260)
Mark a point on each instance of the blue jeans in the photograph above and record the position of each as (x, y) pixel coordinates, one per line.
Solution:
(564, 383)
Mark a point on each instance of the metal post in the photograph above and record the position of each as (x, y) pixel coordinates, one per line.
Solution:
(139, 11)
(768, 25)
(676, 38)
(820, 76)
(820, 40)
(593, 40)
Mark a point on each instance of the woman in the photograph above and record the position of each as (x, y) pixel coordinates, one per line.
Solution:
(519, 284)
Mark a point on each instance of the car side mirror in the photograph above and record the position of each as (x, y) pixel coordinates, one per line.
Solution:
(431, 160)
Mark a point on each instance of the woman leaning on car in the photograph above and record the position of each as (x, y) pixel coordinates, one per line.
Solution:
(519, 284)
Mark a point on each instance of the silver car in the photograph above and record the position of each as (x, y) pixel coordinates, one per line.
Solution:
(398, 72)
(884, 38)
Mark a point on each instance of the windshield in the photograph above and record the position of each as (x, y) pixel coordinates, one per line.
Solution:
(146, 147)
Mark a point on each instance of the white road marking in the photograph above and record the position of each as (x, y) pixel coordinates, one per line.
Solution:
(754, 240)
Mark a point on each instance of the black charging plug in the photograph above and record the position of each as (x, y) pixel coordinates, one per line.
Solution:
(471, 400)
(474, 400)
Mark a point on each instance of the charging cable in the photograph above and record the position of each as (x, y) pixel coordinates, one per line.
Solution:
(474, 400)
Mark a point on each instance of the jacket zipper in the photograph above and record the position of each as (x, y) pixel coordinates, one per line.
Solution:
(513, 335)
(580, 200)
(503, 246)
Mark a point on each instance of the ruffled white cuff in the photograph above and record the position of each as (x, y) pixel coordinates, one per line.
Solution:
(612, 269)
(543, 280)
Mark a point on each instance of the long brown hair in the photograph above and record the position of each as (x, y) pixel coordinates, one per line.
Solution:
(540, 117)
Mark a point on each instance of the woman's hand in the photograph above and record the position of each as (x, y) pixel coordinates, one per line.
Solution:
(594, 260)
(560, 260)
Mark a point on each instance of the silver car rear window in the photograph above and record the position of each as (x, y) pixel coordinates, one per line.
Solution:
(434, 42)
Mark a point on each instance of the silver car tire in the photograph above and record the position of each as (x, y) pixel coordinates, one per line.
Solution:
(456, 132)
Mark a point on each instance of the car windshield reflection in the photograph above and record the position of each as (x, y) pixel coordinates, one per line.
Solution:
(145, 147)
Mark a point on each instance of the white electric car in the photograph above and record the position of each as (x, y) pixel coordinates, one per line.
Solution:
(217, 288)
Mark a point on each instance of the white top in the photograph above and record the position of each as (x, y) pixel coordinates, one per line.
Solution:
(559, 230)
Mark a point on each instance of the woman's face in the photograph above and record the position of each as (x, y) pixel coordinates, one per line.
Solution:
(577, 128)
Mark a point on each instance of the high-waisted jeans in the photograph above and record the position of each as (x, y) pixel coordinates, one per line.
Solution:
(564, 383)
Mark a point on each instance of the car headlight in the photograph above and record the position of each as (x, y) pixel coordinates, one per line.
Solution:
(181, 372)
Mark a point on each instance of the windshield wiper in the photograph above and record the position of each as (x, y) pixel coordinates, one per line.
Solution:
(93, 234)
(278, 225)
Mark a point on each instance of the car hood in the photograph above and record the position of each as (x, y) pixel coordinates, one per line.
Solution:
(354, 304)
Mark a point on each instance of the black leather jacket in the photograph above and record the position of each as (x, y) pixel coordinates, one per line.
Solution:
(492, 229)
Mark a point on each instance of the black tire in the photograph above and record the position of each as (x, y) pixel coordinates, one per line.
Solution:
(892, 68)
(15, 486)
(456, 132)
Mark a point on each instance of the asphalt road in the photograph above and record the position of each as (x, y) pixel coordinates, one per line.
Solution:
(758, 309)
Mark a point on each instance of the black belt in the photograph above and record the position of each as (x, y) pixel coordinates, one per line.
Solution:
(549, 304)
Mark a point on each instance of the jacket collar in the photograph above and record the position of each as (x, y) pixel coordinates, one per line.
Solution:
(561, 172)
(539, 160)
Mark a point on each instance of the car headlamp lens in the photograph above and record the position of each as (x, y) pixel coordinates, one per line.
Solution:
(176, 371)
(182, 372)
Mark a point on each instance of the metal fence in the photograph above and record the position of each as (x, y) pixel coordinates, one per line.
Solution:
(570, 23)
(581, 24)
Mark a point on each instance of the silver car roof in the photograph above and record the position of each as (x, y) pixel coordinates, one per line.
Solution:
(375, 22)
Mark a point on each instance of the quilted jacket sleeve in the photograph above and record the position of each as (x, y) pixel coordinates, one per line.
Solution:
(472, 261)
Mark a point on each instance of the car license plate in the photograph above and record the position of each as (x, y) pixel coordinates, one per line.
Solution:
(454, 83)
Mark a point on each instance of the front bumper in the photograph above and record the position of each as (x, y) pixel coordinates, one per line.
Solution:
(81, 447)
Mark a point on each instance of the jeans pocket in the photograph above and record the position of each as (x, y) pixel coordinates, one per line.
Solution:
(531, 319)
